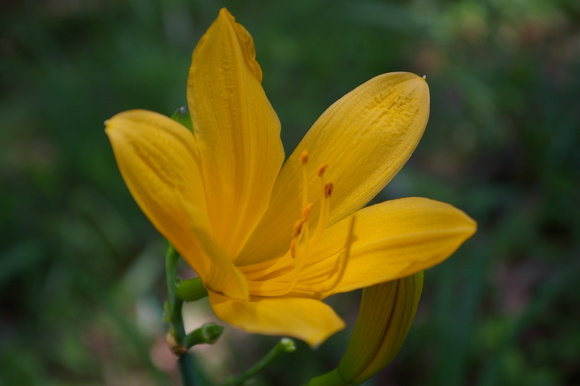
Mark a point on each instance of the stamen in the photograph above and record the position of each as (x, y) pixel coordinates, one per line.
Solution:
(347, 245)
(299, 252)
(303, 160)
(293, 248)
(337, 272)
(301, 240)
(324, 206)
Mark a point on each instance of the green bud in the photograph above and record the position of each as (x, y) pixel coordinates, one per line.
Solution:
(208, 333)
(182, 116)
(191, 290)
(211, 332)
(287, 345)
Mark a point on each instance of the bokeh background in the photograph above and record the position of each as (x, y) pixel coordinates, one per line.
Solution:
(81, 269)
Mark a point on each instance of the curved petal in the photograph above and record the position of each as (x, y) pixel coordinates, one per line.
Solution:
(237, 130)
(310, 320)
(393, 239)
(159, 161)
(364, 138)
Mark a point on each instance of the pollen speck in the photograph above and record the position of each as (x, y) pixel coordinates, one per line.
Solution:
(322, 169)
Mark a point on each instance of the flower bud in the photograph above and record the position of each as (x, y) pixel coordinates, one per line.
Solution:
(191, 290)
(181, 115)
(386, 313)
(208, 333)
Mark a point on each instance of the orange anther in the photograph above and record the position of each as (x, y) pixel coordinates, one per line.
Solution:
(322, 169)
(303, 157)
(306, 212)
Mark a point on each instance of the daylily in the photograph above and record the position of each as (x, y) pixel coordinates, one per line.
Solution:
(269, 242)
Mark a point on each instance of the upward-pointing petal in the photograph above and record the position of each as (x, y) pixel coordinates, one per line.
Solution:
(365, 138)
(237, 130)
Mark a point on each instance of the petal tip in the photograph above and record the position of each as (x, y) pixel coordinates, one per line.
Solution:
(472, 225)
(119, 123)
(420, 82)
(225, 16)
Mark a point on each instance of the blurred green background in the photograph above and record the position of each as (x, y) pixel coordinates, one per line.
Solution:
(81, 268)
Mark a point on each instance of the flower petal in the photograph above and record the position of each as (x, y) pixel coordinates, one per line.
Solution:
(159, 161)
(393, 239)
(237, 130)
(222, 275)
(310, 320)
(364, 138)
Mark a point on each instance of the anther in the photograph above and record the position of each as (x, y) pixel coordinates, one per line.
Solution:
(297, 228)
(304, 157)
(322, 169)
(306, 212)
(328, 188)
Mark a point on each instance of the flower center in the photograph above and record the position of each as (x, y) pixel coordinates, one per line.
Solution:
(291, 271)
(303, 240)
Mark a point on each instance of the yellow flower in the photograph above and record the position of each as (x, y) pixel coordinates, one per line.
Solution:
(269, 241)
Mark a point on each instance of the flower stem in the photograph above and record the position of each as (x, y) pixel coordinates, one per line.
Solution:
(285, 345)
(171, 260)
(177, 333)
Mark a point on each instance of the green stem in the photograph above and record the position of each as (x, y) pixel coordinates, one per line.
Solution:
(184, 360)
(171, 260)
(285, 345)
